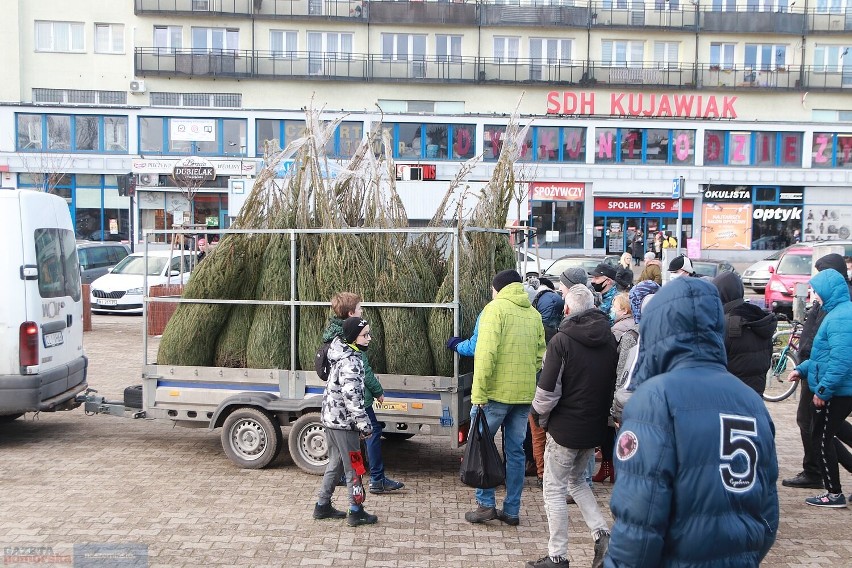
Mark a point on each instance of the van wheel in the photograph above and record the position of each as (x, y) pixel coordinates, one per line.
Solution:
(307, 443)
(6, 418)
(133, 396)
(251, 438)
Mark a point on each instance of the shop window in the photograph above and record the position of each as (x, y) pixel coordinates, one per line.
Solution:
(715, 147)
(831, 150)
(565, 217)
(756, 149)
(605, 145)
(347, 137)
(632, 142)
(464, 141)
(547, 144)
(71, 133)
(154, 137)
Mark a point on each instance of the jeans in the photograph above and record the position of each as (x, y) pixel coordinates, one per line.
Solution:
(564, 473)
(513, 418)
(827, 422)
(340, 443)
(374, 449)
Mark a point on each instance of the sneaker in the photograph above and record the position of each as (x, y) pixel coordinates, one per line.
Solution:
(481, 515)
(360, 517)
(804, 480)
(327, 511)
(832, 500)
(601, 545)
(508, 519)
(548, 562)
(385, 485)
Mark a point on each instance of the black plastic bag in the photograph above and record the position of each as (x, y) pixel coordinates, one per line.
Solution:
(482, 467)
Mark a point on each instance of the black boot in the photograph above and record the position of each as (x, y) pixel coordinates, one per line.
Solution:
(360, 517)
(327, 511)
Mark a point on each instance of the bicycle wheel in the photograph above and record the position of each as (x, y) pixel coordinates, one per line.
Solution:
(778, 385)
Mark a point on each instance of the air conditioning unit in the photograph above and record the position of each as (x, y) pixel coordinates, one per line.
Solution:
(149, 180)
(137, 87)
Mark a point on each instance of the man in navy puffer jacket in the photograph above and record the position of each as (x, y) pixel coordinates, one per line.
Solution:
(829, 376)
(695, 457)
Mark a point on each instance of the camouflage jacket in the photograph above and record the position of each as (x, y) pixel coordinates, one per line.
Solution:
(343, 399)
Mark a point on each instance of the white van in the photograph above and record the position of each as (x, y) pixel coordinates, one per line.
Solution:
(42, 364)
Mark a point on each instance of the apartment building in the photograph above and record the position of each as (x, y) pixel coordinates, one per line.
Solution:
(747, 100)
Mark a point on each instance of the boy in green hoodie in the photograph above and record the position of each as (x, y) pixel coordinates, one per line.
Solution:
(345, 305)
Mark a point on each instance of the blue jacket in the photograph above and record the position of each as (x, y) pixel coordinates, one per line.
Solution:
(829, 370)
(551, 306)
(695, 456)
(468, 347)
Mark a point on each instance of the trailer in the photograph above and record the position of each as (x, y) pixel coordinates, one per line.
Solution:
(252, 406)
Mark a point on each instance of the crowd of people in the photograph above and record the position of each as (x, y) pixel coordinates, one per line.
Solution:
(663, 381)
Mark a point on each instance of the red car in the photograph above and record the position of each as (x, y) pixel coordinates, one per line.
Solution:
(794, 267)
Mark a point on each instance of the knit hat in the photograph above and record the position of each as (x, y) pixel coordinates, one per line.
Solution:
(605, 270)
(574, 275)
(504, 278)
(681, 262)
(638, 293)
(352, 328)
(831, 260)
(546, 282)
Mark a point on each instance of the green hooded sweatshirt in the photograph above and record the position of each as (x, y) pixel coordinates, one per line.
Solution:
(372, 386)
(509, 349)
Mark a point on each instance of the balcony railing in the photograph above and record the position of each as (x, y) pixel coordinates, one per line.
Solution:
(542, 13)
(302, 65)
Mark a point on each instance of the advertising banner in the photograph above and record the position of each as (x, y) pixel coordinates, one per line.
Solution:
(726, 226)
(827, 224)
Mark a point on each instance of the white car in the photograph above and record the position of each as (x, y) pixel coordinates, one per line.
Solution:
(121, 290)
(757, 275)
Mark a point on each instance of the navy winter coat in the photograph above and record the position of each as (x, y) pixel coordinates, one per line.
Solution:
(551, 307)
(829, 370)
(695, 456)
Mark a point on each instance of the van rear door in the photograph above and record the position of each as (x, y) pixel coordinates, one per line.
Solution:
(53, 299)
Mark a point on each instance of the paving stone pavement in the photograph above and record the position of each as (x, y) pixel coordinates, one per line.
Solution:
(67, 478)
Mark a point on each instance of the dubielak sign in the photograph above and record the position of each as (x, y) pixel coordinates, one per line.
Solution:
(194, 169)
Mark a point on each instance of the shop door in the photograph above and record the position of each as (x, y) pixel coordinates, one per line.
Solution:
(635, 228)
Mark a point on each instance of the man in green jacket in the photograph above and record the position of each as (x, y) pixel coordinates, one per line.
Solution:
(345, 305)
(508, 355)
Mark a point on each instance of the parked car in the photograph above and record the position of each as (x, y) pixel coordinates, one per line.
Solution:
(121, 290)
(97, 258)
(107, 236)
(588, 262)
(757, 275)
(711, 267)
(794, 267)
(534, 263)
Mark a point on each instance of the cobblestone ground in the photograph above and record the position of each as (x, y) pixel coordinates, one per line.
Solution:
(68, 479)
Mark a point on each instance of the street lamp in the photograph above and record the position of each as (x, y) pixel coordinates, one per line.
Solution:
(242, 148)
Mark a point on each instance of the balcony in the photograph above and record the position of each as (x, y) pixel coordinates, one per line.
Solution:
(257, 8)
(835, 21)
(652, 15)
(749, 22)
(303, 65)
(420, 12)
(537, 14)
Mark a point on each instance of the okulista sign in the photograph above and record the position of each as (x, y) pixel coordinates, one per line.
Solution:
(641, 104)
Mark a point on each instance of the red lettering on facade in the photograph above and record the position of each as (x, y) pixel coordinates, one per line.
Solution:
(713, 148)
(615, 104)
(822, 145)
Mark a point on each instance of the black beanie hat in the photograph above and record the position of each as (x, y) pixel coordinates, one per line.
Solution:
(352, 328)
(505, 277)
(831, 260)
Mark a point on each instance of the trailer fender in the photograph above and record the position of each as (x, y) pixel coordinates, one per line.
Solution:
(257, 400)
(264, 401)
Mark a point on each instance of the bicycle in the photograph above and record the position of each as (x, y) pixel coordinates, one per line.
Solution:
(778, 384)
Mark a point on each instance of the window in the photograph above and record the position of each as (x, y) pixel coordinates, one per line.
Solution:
(829, 6)
(58, 267)
(154, 137)
(506, 49)
(327, 46)
(78, 133)
(830, 58)
(666, 54)
(109, 38)
(346, 140)
(282, 43)
(723, 5)
(722, 55)
(403, 47)
(831, 150)
(765, 57)
(551, 51)
(215, 40)
(448, 48)
(59, 36)
(761, 149)
(167, 39)
(622, 53)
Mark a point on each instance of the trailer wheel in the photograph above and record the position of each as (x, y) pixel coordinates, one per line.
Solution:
(251, 438)
(6, 418)
(307, 443)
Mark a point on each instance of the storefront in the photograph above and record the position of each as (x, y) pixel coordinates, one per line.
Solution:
(557, 208)
(757, 217)
(827, 214)
(618, 220)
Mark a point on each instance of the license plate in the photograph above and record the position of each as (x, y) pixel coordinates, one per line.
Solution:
(398, 406)
(53, 339)
(107, 302)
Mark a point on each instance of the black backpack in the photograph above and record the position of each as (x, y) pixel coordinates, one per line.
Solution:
(321, 363)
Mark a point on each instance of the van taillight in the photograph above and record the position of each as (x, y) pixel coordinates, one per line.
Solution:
(29, 344)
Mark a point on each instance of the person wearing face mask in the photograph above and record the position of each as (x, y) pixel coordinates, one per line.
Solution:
(603, 282)
(345, 420)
